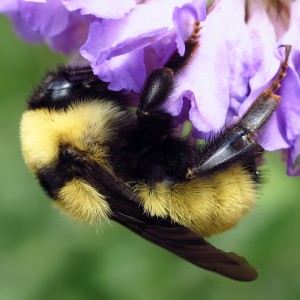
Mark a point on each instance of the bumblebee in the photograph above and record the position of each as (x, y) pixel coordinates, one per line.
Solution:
(97, 159)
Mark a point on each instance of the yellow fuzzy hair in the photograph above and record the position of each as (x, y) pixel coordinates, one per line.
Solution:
(83, 126)
(205, 205)
(82, 202)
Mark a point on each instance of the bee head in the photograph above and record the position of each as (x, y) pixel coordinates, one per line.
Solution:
(58, 90)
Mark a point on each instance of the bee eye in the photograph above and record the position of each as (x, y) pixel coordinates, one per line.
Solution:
(58, 85)
(60, 88)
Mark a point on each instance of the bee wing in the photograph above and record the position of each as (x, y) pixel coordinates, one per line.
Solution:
(186, 244)
(126, 210)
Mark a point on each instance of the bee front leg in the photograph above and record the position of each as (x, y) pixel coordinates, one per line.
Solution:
(239, 141)
(160, 82)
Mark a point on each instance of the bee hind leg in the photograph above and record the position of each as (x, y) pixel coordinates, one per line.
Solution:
(238, 142)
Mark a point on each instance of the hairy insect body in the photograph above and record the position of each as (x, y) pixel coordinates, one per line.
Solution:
(97, 159)
(207, 205)
(59, 136)
(82, 201)
(85, 127)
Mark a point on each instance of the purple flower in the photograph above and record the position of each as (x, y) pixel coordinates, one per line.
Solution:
(239, 56)
(118, 46)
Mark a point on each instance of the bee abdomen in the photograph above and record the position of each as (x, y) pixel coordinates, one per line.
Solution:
(206, 205)
(83, 202)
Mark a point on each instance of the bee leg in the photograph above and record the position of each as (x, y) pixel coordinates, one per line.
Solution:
(160, 82)
(75, 73)
(156, 90)
(177, 62)
(237, 142)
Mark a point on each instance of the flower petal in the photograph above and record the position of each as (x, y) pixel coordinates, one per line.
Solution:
(294, 158)
(265, 66)
(23, 30)
(184, 18)
(284, 125)
(219, 70)
(125, 71)
(144, 25)
(74, 35)
(48, 19)
(7, 6)
(107, 9)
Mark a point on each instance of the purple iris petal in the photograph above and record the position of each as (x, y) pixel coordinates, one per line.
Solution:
(144, 25)
(73, 36)
(48, 19)
(7, 6)
(219, 70)
(107, 9)
(265, 66)
(125, 71)
(158, 53)
(290, 92)
(23, 30)
(284, 126)
(294, 158)
(184, 18)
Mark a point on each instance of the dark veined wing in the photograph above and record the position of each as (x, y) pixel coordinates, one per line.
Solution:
(193, 248)
(181, 241)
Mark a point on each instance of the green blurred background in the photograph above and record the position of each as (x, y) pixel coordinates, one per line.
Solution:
(46, 255)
